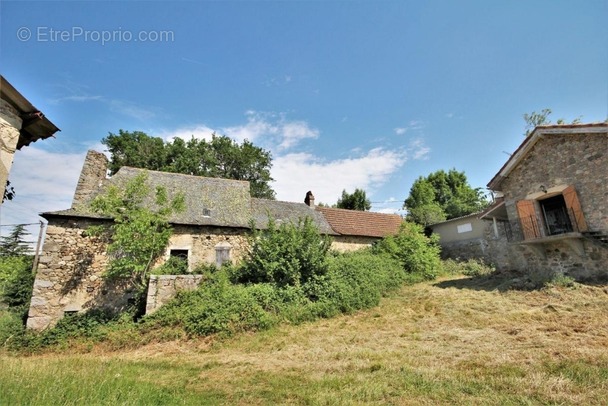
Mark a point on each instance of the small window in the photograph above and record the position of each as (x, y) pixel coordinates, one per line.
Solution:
(183, 254)
(465, 228)
(206, 213)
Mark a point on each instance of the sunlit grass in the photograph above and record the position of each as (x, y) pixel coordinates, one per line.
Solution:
(446, 342)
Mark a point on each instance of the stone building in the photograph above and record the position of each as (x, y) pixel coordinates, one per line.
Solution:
(213, 228)
(555, 191)
(20, 124)
(482, 235)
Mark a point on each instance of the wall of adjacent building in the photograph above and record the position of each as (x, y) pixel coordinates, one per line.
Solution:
(70, 273)
(10, 126)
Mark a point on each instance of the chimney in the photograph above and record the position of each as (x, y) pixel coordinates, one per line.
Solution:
(92, 175)
(310, 199)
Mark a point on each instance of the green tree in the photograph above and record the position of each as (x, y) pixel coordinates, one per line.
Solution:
(443, 195)
(355, 201)
(14, 244)
(221, 157)
(417, 253)
(287, 255)
(16, 277)
(139, 234)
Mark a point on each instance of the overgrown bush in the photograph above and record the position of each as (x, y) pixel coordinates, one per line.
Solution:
(559, 280)
(173, 266)
(218, 306)
(16, 281)
(11, 326)
(356, 280)
(288, 255)
(418, 254)
(471, 267)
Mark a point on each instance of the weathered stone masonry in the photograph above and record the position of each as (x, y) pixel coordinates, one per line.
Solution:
(580, 160)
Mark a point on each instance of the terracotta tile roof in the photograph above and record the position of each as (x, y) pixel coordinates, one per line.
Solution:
(361, 223)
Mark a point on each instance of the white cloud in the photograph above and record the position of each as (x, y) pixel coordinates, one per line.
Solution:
(197, 131)
(400, 130)
(296, 173)
(416, 125)
(418, 150)
(294, 131)
(130, 109)
(75, 98)
(43, 181)
(261, 127)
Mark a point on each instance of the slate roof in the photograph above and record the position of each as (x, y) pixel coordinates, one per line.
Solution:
(208, 201)
(287, 212)
(361, 223)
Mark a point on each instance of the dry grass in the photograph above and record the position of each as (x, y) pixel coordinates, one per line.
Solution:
(452, 341)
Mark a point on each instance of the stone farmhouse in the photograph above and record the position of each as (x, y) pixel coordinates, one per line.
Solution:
(554, 192)
(213, 229)
(20, 124)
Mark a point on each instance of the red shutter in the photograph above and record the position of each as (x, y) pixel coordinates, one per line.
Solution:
(574, 209)
(527, 218)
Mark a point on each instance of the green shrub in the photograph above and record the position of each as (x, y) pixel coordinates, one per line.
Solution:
(173, 266)
(218, 306)
(418, 254)
(11, 327)
(559, 280)
(288, 255)
(16, 280)
(471, 267)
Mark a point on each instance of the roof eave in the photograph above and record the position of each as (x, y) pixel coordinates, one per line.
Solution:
(534, 137)
(35, 124)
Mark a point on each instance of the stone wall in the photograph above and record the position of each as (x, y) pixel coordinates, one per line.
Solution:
(163, 288)
(580, 160)
(345, 243)
(202, 243)
(92, 175)
(10, 126)
(69, 277)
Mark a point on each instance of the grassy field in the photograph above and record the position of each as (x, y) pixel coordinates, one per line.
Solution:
(454, 341)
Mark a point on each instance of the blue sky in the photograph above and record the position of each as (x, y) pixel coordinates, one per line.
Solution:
(345, 94)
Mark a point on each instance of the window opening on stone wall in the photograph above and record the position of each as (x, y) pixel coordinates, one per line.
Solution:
(206, 212)
(222, 253)
(555, 215)
(182, 254)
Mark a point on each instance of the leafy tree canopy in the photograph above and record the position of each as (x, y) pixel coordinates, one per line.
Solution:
(443, 196)
(355, 201)
(221, 157)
